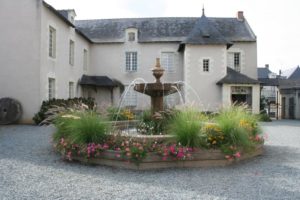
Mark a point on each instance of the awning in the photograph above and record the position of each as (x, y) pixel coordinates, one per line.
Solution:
(100, 81)
(234, 77)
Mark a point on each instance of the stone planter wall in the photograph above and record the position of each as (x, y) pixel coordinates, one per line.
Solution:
(199, 158)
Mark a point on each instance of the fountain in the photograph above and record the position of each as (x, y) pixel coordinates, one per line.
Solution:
(157, 90)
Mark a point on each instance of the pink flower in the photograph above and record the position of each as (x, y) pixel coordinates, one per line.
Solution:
(118, 155)
(180, 155)
(257, 138)
(69, 154)
(237, 154)
(105, 146)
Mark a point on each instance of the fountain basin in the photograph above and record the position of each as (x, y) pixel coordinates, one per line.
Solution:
(157, 89)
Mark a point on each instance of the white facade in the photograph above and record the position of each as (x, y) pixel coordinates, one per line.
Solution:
(27, 65)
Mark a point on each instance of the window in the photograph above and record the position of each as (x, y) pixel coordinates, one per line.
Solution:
(71, 52)
(236, 62)
(131, 36)
(85, 59)
(168, 61)
(130, 99)
(51, 88)
(131, 61)
(206, 65)
(52, 42)
(71, 90)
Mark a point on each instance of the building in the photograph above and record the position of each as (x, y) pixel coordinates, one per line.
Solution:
(269, 90)
(46, 53)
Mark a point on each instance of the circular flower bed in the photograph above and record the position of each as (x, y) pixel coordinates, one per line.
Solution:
(193, 141)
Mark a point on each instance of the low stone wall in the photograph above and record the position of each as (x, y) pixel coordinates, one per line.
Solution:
(199, 158)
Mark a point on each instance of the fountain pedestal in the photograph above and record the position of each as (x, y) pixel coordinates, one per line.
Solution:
(157, 90)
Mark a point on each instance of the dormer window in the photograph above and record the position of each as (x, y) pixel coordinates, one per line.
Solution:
(131, 36)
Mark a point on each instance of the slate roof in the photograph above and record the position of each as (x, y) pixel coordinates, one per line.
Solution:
(289, 84)
(234, 77)
(102, 81)
(263, 72)
(269, 81)
(205, 32)
(187, 30)
(168, 29)
(295, 74)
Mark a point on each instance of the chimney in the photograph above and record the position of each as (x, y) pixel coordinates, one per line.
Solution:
(240, 16)
(267, 66)
(280, 72)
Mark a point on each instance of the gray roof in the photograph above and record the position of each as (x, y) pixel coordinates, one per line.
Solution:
(289, 84)
(168, 29)
(295, 74)
(263, 72)
(102, 81)
(234, 77)
(205, 32)
(269, 81)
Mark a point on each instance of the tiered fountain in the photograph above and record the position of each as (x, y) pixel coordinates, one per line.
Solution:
(157, 90)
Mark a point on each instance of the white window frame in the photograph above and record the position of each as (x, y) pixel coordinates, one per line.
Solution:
(131, 61)
(205, 65)
(71, 52)
(52, 42)
(71, 89)
(168, 61)
(51, 88)
(237, 61)
(85, 59)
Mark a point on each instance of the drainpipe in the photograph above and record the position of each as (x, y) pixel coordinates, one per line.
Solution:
(277, 112)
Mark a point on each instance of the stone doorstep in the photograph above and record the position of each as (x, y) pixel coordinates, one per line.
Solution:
(201, 158)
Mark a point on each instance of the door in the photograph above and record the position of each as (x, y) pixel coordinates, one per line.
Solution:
(292, 108)
(283, 108)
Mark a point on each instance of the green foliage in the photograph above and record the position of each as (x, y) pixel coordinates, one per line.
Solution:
(186, 127)
(115, 114)
(81, 128)
(150, 125)
(264, 117)
(237, 126)
(62, 103)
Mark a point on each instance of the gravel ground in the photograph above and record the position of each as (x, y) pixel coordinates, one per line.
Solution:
(29, 169)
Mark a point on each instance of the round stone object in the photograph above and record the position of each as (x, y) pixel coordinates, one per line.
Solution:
(10, 111)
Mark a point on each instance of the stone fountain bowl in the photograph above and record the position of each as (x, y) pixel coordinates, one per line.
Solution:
(157, 89)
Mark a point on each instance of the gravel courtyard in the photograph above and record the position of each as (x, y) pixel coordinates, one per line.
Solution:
(29, 169)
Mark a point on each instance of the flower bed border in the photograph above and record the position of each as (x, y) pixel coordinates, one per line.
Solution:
(199, 158)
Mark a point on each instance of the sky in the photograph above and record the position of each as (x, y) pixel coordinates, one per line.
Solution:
(276, 23)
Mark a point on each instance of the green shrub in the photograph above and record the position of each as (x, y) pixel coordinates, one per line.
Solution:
(151, 126)
(186, 127)
(264, 117)
(116, 114)
(61, 103)
(237, 126)
(81, 128)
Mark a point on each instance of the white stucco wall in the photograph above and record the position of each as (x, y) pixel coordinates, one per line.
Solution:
(248, 52)
(59, 67)
(109, 60)
(204, 83)
(20, 53)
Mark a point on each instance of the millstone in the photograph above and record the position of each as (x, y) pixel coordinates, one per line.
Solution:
(10, 111)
